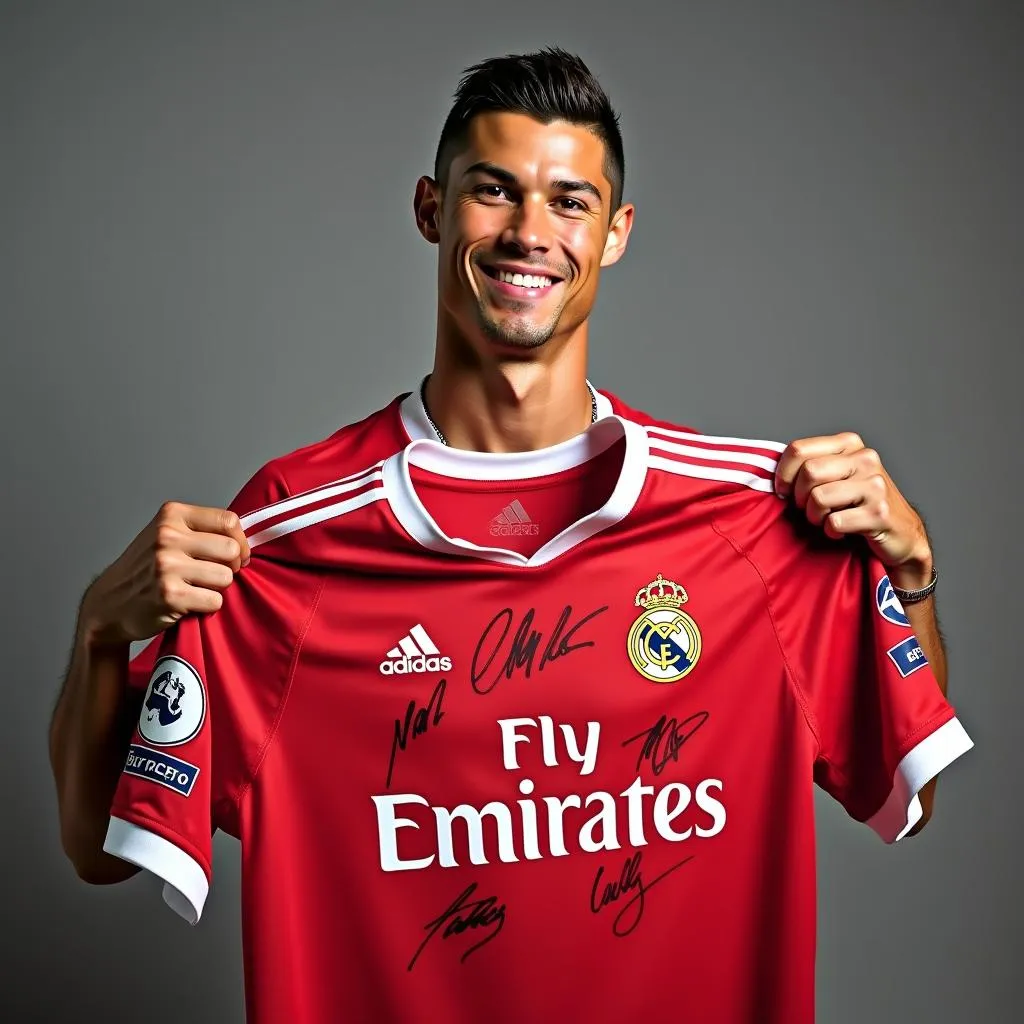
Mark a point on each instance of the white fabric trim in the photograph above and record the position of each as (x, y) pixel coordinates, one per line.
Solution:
(185, 883)
(461, 464)
(733, 476)
(320, 515)
(714, 454)
(742, 442)
(902, 810)
(457, 463)
(310, 497)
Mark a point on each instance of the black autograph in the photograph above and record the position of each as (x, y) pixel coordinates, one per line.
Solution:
(461, 916)
(664, 740)
(522, 651)
(416, 723)
(628, 880)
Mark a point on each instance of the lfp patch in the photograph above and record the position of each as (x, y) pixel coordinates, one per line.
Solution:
(907, 656)
(158, 767)
(174, 708)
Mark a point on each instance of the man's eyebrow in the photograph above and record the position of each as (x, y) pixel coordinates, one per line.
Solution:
(493, 171)
(578, 185)
(506, 177)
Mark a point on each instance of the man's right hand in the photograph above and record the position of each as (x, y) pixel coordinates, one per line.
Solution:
(180, 563)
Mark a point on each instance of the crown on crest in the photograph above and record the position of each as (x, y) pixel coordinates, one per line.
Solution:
(661, 593)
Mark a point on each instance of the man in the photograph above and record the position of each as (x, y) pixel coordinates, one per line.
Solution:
(514, 695)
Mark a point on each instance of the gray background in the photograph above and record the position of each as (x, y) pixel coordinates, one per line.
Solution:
(209, 259)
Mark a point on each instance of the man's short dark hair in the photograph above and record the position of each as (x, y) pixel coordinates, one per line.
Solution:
(548, 85)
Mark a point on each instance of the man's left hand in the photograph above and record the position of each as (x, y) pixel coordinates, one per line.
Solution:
(843, 487)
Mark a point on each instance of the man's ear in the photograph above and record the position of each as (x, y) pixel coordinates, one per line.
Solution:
(618, 235)
(426, 206)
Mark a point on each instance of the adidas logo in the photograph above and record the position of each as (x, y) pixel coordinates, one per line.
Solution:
(513, 521)
(415, 652)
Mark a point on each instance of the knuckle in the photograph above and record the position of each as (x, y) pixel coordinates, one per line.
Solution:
(816, 469)
(229, 521)
(166, 537)
(169, 510)
(163, 562)
(871, 457)
(169, 591)
(851, 439)
(877, 483)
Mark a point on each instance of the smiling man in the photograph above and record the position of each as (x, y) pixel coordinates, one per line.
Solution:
(525, 212)
(515, 696)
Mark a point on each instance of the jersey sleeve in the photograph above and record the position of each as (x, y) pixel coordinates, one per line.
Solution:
(213, 684)
(883, 726)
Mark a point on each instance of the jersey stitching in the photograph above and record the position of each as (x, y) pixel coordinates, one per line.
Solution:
(296, 652)
(158, 826)
(791, 675)
(910, 740)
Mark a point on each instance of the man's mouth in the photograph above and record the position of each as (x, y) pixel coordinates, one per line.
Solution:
(519, 282)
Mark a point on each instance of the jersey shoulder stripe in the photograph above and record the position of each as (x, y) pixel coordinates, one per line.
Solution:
(314, 506)
(683, 451)
(748, 463)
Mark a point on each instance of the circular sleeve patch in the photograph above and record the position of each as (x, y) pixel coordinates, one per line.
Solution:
(175, 706)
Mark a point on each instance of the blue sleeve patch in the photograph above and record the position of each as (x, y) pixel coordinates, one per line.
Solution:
(159, 767)
(907, 656)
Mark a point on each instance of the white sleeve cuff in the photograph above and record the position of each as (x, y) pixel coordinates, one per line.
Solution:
(902, 810)
(185, 882)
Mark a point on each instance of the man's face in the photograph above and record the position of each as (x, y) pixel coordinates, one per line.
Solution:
(522, 228)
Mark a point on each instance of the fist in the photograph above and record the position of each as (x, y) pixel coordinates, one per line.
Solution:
(180, 563)
(843, 487)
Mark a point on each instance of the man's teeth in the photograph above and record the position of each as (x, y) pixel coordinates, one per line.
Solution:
(524, 280)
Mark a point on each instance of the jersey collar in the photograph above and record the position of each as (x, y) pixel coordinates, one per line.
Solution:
(428, 453)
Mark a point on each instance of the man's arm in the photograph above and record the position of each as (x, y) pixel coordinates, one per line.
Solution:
(178, 565)
(843, 487)
(925, 624)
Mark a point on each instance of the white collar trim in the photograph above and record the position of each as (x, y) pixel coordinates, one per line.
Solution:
(465, 465)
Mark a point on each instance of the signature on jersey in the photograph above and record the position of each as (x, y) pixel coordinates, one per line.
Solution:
(664, 739)
(484, 916)
(416, 722)
(630, 880)
(524, 651)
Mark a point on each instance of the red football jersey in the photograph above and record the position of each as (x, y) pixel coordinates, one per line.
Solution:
(521, 737)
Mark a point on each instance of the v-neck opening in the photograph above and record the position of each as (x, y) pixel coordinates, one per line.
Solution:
(459, 464)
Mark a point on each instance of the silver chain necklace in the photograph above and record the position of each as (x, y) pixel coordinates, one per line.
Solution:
(444, 440)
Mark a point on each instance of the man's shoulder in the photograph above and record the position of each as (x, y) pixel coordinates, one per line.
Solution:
(356, 448)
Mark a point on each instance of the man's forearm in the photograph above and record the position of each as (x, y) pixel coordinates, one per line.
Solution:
(925, 624)
(89, 733)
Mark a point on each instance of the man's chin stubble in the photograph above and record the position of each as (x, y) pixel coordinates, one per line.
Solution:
(525, 337)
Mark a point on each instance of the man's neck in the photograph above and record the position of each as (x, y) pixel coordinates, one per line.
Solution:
(510, 406)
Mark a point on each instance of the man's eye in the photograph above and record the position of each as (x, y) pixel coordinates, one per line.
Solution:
(570, 203)
(493, 191)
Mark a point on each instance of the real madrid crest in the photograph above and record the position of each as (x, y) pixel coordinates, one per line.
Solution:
(664, 642)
